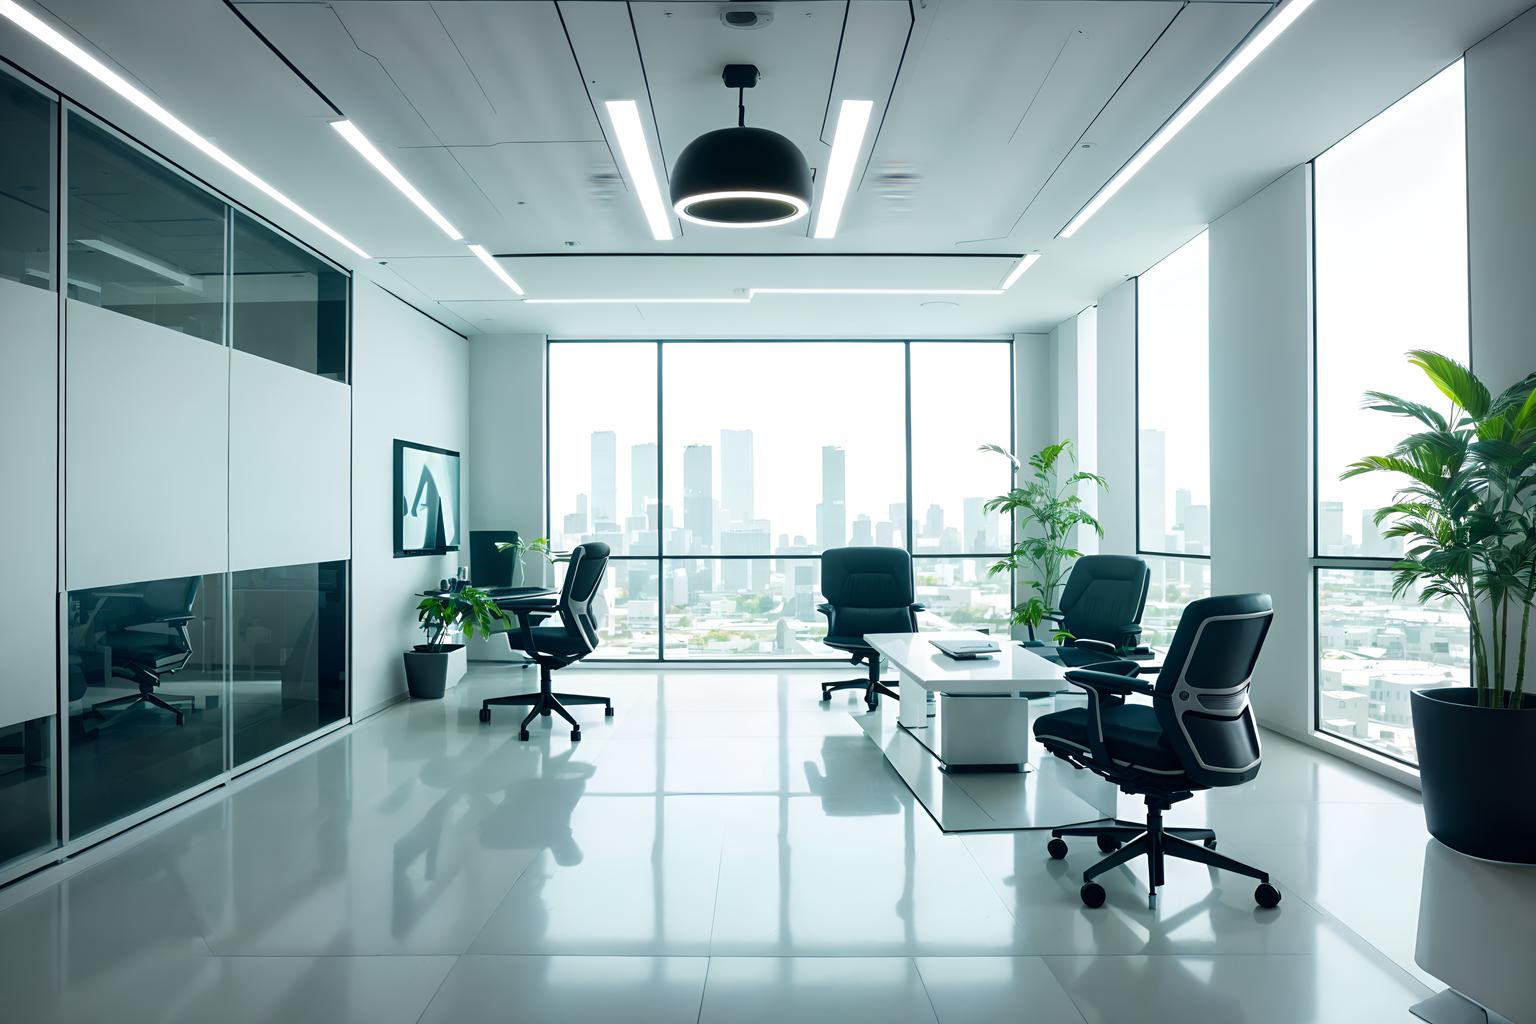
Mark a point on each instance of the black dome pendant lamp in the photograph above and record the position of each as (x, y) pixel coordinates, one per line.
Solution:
(741, 177)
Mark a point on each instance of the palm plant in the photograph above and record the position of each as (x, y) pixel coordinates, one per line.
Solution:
(1048, 509)
(470, 610)
(1467, 512)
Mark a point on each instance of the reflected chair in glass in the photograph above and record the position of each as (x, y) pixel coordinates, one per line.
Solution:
(1199, 732)
(867, 590)
(151, 642)
(1101, 607)
(555, 647)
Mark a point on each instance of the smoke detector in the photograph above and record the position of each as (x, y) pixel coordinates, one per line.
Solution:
(745, 17)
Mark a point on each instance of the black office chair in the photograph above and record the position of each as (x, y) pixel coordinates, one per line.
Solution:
(1101, 607)
(1199, 732)
(153, 641)
(867, 590)
(555, 647)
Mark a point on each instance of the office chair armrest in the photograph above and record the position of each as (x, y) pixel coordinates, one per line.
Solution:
(1109, 680)
(1104, 689)
(825, 609)
(918, 607)
(1094, 645)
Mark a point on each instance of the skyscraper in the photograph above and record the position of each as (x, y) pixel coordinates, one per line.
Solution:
(863, 531)
(979, 526)
(1154, 499)
(642, 480)
(699, 497)
(1330, 528)
(832, 513)
(605, 479)
(933, 522)
(736, 477)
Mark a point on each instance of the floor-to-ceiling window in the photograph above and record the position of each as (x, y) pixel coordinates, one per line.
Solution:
(718, 472)
(1391, 275)
(1173, 434)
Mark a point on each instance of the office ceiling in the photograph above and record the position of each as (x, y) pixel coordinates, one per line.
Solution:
(994, 121)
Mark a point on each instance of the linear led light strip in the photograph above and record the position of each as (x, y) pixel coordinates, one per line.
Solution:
(96, 69)
(625, 115)
(1279, 20)
(138, 259)
(852, 123)
(496, 268)
(370, 152)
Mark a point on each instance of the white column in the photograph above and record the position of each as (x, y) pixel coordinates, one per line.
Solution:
(1261, 431)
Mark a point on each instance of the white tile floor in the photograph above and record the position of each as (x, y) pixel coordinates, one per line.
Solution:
(725, 850)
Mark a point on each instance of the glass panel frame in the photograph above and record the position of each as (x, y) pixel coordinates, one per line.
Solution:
(1378, 720)
(1182, 267)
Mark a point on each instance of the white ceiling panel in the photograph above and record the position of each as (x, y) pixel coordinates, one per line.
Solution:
(989, 104)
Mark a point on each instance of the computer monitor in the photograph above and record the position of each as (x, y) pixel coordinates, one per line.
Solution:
(487, 566)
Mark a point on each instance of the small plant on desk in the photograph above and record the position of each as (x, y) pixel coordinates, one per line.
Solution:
(521, 549)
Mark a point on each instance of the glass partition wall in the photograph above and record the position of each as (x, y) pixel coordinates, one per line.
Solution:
(717, 502)
(1390, 225)
(162, 683)
(29, 763)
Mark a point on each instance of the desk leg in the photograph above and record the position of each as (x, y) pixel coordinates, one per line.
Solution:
(914, 704)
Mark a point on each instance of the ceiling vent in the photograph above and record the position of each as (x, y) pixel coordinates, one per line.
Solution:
(745, 17)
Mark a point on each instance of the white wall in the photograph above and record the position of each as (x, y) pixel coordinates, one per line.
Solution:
(410, 380)
(506, 429)
(1501, 209)
(29, 516)
(1116, 377)
(1261, 431)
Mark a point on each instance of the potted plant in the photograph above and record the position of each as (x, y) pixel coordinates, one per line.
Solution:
(1048, 510)
(520, 550)
(1467, 512)
(468, 611)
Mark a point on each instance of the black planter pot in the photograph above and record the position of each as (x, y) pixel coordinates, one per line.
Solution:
(426, 671)
(1475, 769)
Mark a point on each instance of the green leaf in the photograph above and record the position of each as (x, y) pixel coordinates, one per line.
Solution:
(1454, 380)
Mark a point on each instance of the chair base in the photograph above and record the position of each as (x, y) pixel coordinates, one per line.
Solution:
(872, 686)
(1125, 841)
(144, 696)
(545, 702)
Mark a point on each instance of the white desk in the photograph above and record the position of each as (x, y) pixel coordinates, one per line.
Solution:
(983, 721)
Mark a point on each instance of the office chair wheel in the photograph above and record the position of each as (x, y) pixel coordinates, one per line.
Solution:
(522, 734)
(826, 695)
(1210, 844)
(1108, 844)
(1092, 894)
(544, 713)
(575, 735)
(1057, 848)
(181, 719)
(485, 714)
(1266, 896)
(608, 711)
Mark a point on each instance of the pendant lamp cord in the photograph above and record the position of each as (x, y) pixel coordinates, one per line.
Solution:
(741, 108)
